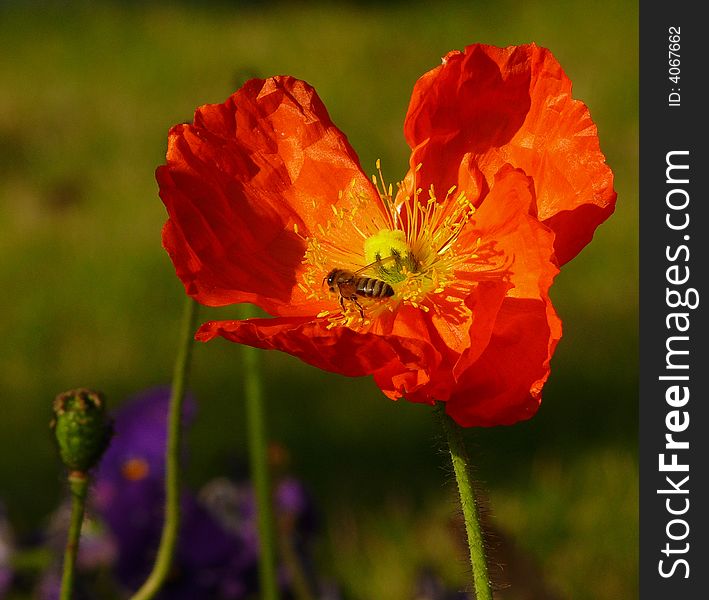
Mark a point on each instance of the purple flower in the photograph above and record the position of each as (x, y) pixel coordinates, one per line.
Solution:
(137, 450)
(217, 563)
(212, 561)
(217, 553)
(128, 489)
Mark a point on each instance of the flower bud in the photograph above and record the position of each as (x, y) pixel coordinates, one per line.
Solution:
(82, 428)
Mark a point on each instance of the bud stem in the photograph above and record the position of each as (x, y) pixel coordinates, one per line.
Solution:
(79, 485)
(258, 447)
(168, 541)
(459, 458)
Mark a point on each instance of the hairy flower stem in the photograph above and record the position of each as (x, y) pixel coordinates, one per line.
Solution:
(168, 541)
(459, 458)
(258, 462)
(78, 485)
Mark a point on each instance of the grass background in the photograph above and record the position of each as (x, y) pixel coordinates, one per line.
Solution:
(89, 298)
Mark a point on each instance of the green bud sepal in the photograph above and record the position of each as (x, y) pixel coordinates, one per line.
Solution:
(81, 427)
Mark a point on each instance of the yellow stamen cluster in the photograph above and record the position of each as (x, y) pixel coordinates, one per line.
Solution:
(404, 241)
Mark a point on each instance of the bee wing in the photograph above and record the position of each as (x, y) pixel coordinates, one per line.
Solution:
(375, 265)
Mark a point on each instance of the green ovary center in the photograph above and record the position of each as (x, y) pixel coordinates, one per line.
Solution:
(390, 256)
(409, 240)
(406, 269)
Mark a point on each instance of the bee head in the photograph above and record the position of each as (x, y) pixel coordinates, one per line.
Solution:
(330, 278)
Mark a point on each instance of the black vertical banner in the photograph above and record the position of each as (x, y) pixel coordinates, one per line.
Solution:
(674, 267)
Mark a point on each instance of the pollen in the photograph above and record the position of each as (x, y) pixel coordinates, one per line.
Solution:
(406, 239)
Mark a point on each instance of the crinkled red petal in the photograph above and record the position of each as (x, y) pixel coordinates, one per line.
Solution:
(506, 217)
(504, 384)
(335, 349)
(514, 105)
(526, 246)
(238, 183)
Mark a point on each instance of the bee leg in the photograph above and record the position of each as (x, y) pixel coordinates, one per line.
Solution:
(358, 305)
(342, 304)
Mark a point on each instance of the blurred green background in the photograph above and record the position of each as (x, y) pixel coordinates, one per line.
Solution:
(88, 94)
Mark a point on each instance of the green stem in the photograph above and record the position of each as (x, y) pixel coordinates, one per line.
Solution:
(79, 485)
(459, 458)
(168, 541)
(257, 440)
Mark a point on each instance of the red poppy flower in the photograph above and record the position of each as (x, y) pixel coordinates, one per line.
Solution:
(438, 286)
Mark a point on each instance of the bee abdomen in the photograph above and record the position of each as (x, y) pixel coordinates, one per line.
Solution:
(374, 288)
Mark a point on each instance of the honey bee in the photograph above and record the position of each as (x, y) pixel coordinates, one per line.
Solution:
(352, 284)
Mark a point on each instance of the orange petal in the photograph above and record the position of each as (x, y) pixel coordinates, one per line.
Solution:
(336, 349)
(244, 183)
(513, 105)
(505, 218)
(504, 385)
